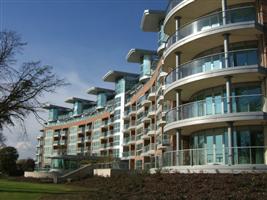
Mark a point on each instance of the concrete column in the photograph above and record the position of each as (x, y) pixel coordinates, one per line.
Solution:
(177, 27)
(265, 144)
(230, 142)
(178, 138)
(224, 8)
(178, 103)
(264, 93)
(228, 93)
(226, 49)
(177, 64)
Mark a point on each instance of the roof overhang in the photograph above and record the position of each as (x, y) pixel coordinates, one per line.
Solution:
(98, 90)
(112, 76)
(136, 55)
(51, 106)
(72, 100)
(151, 20)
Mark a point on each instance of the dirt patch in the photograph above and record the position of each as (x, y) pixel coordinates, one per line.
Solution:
(172, 186)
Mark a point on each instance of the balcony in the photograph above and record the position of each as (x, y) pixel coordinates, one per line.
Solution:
(126, 140)
(126, 154)
(80, 140)
(56, 134)
(245, 155)
(151, 130)
(131, 139)
(152, 148)
(87, 139)
(152, 94)
(81, 130)
(206, 69)
(145, 134)
(104, 124)
(88, 128)
(214, 110)
(55, 143)
(126, 128)
(145, 150)
(63, 142)
(110, 133)
(206, 33)
(103, 135)
(152, 111)
(132, 125)
(132, 110)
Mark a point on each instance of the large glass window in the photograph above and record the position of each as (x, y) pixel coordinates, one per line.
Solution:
(120, 86)
(211, 146)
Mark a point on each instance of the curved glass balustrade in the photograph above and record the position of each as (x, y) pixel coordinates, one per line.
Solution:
(172, 4)
(213, 62)
(205, 156)
(211, 21)
(215, 106)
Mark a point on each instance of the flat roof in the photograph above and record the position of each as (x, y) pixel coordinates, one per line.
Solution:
(136, 55)
(51, 106)
(151, 20)
(76, 99)
(97, 90)
(112, 76)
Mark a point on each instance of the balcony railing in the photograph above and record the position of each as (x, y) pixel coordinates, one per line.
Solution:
(213, 20)
(126, 140)
(219, 156)
(216, 106)
(172, 4)
(240, 58)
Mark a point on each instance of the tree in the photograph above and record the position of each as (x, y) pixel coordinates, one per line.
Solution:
(8, 158)
(21, 87)
(25, 165)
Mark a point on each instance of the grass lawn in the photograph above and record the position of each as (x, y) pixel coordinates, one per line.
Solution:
(12, 190)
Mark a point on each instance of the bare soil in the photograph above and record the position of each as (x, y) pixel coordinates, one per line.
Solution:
(172, 186)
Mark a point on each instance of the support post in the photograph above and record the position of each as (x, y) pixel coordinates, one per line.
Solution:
(228, 93)
(177, 27)
(230, 143)
(177, 64)
(224, 8)
(178, 137)
(226, 40)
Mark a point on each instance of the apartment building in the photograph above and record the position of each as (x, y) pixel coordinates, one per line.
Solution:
(199, 102)
(89, 128)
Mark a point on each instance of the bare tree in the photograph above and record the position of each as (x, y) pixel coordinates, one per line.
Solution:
(21, 87)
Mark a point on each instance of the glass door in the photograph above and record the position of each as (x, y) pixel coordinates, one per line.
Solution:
(219, 148)
(215, 149)
(210, 149)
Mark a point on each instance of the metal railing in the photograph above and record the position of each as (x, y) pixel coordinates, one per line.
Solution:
(239, 58)
(211, 21)
(215, 106)
(218, 156)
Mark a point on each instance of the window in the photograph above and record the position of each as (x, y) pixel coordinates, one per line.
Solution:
(117, 114)
(117, 102)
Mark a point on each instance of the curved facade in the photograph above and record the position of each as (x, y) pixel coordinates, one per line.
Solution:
(216, 64)
(199, 103)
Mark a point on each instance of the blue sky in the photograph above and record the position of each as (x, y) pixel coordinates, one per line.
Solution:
(81, 39)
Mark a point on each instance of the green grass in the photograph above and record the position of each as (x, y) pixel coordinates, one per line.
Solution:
(12, 190)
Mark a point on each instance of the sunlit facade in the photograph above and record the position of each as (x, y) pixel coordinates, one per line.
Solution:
(199, 101)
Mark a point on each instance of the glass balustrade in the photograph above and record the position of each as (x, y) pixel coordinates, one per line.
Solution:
(204, 156)
(239, 58)
(215, 106)
(212, 21)
(172, 4)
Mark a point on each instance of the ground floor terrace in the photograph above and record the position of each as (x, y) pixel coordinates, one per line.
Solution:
(209, 150)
